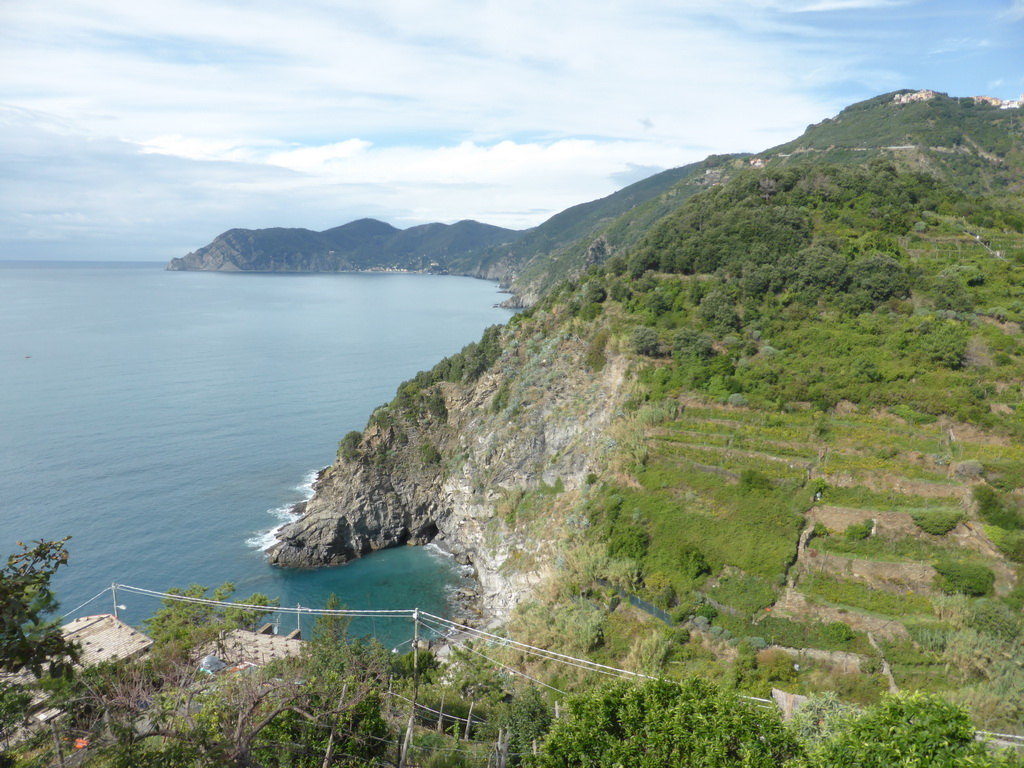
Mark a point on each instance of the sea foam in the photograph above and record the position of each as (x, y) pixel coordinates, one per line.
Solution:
(265, 539)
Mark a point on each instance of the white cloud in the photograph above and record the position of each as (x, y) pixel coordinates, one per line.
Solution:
(229, 114)
(1016, 10)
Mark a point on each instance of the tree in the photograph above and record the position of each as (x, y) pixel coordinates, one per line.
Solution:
(881, 276)
(694, 723)
(719, 312)
(28, 640)
(324, 707)
(187, 624)
(14, 702)
(907, 729)
(644, 341)
(526, 718)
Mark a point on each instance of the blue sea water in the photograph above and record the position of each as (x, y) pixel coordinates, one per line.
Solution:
(166, 420)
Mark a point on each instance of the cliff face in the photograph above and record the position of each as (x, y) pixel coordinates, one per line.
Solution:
(536, 419)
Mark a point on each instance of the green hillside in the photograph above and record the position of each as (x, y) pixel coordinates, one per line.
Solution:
(762, 429)
(819, 454)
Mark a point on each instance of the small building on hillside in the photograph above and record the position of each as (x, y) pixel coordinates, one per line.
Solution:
(240, 647)
(106, 638)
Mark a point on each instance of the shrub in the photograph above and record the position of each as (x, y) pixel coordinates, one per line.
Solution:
(694, 723)
(501, 396)
(903, 730)
(837, 633)
(348, 446)
(937, 522)
(968, 470)
(911, 416)
(706, 611)
(689, 343)
(859, 531)
(992, 509)
(644, 341)
(628, 542)
(956, 577)
(429, 454)
(1012, 545)
(752, 481)
(595, 358)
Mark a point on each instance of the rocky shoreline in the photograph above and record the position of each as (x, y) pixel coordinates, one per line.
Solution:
(414, 479)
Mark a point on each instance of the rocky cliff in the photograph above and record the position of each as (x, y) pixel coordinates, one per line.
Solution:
(536, 420)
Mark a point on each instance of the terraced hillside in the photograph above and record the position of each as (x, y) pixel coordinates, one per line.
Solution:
(809, 381)
(802, 479)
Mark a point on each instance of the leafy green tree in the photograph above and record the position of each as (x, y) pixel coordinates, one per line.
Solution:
(644, 341)
(28, 639)
(188, 624)
(907, 730)
(691, 344)
(719, 312)
(348, 446)
(14, 701)
(659, 723)
(527, 718)
(881, 276)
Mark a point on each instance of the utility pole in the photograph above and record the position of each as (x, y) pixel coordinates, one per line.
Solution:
(415, 687)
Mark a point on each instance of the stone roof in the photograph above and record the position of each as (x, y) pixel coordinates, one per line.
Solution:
(239, 647)
(105, 638)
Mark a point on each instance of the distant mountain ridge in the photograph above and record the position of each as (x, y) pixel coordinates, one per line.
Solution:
(365, 244)
(972, 143)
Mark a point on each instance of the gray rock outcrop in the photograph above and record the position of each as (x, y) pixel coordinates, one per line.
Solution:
(548, 427)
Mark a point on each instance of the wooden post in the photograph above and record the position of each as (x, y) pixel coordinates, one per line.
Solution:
(440, 716)
(469, 719)
(56, 744)
(503, 753)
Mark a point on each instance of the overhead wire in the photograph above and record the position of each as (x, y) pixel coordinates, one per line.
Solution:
(97, 597)
(298, 610)
(584, 664)
(544, 653)
(446, 628)
(513, 671)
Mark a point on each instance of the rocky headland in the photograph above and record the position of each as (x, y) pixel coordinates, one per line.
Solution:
(538, 418)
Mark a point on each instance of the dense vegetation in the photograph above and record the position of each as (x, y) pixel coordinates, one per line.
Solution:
(345, 701)
(805, 337)
(811, 483)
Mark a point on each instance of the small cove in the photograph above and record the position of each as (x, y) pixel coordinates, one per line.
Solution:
(164, 420)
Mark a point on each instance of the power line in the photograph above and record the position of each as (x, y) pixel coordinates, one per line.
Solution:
(446, 628)
(101, 594)
(299, 610)
(553, 655)
(585, 665)
(510, 669)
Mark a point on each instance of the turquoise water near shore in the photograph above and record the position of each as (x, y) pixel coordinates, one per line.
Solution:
(166, 420)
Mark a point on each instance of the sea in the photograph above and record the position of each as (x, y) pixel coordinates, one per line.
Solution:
(168, 421)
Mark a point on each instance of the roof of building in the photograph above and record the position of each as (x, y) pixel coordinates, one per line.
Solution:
(105, 638)
(240, 646)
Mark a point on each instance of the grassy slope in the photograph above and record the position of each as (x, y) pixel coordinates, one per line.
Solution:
(806, 338)
(896, 406)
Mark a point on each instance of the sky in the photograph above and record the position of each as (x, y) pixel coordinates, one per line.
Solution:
(141, 131)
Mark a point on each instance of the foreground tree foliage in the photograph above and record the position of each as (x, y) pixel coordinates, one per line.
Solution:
(28, 638)
(694, 723)
(911, 731)
(324, 707)
(700, 725)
